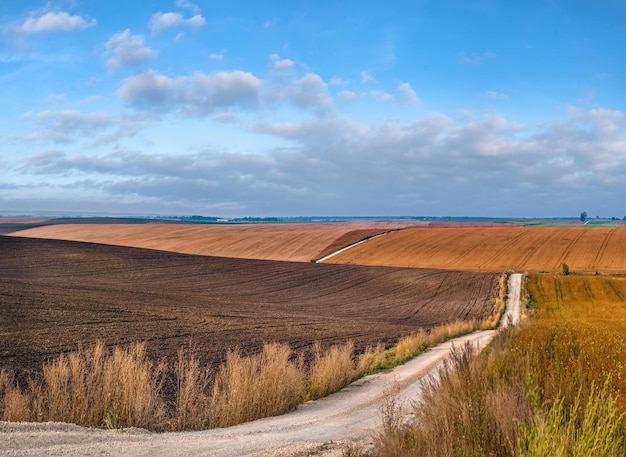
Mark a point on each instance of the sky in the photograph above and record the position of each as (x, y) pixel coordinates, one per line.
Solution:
(325, 108)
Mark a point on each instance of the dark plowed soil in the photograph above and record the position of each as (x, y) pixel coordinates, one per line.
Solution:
(58, 295)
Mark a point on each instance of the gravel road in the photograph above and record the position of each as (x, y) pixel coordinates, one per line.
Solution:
(321, 427)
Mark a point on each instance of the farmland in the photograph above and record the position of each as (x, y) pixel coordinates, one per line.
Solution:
(60, 295)
(556, 385)
(584, 249)
(299, 242)
(582, 319)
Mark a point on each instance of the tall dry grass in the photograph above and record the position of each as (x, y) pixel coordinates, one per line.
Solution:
(15, 405)
(192, 401)
(492, 319)
(533, 391)
(96, 386)
(378, 358)
(92, 387)
(248, 388)
(331, 370)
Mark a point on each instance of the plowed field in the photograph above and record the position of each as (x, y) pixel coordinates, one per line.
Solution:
(496, 249)
(58, 295)
(300, 242)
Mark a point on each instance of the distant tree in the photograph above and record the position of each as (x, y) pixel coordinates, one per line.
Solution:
(565, 269)
(583, 216)
(625, 218)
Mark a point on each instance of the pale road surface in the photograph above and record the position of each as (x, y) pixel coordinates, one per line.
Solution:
(350, 246)
(321, 427)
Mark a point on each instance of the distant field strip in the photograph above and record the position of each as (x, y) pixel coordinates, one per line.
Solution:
(584, 249)
(300, 242)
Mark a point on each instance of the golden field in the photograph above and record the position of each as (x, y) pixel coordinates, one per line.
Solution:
(554, 386)
(580, 322)
(584, 249)
(299, 242)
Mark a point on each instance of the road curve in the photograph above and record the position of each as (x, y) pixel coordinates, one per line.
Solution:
(317, 427)
(350, 246)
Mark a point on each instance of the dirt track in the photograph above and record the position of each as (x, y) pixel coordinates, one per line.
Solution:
(316, 428)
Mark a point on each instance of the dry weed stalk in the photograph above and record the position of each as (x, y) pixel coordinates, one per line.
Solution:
(248, 388)
(331, 370)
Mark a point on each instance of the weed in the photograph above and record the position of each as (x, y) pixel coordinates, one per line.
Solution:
(330, 370)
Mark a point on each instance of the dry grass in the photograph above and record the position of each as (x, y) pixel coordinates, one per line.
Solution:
(533, 391)
(98, 387)
(93, 387)
(331, 370)
(192, 401)
(248, 388)
(14, 404)
(493, 319)
(410, 346)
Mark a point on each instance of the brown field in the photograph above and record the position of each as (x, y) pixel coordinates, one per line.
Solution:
(57, 296)
(299, 242)
(584, 249)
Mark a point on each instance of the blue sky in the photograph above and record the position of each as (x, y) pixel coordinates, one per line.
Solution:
(240, 108)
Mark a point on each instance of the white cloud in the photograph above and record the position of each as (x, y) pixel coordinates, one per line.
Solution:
(365, 77)
(337, 81)
(184, 4)
(279, 65)
(55, 21)
(345, 95)
(336, 165)
(127, 50)
(71, 126)
(270, 23)
(61, 127)
(217, 55)
(309, 91)
(227, 117)
(381, 96)
(162, 21)
(405, 95)
(198, 94)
